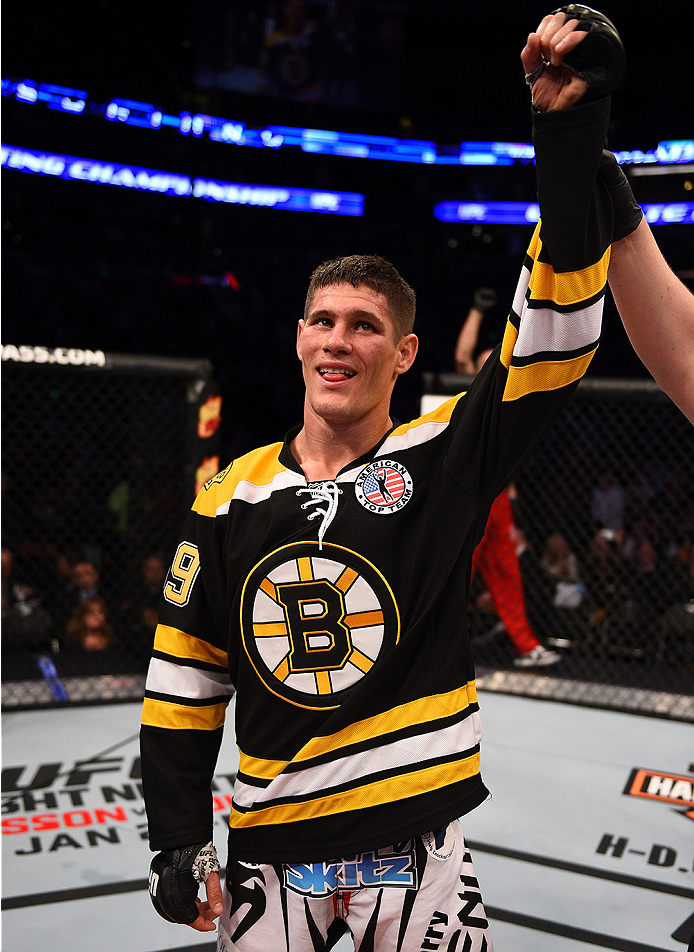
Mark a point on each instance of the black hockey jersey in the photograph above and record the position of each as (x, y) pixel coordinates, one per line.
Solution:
(337, 610)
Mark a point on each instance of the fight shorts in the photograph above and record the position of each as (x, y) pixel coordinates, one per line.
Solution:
(417, 896)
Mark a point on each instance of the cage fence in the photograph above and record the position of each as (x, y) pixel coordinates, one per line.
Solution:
(100, 456)
(601, 535)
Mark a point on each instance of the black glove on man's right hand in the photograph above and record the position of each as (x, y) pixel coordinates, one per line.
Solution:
(172, 886)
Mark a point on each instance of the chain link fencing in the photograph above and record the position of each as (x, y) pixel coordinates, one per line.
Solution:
(600, 534)
(101, 454)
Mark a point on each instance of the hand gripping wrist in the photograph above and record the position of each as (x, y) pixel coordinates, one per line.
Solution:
(625, 209)
(174, 878)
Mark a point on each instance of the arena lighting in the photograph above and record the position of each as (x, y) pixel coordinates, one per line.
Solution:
(169, 183)
(353, 145)
(528, 213)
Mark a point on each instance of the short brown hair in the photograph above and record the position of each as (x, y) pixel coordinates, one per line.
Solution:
(373, 272)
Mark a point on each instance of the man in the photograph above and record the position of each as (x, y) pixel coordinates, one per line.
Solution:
(337, 611)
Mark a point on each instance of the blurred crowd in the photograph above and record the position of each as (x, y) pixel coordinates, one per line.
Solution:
(622, 587)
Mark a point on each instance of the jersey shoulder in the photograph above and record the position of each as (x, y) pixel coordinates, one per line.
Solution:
(254, 470)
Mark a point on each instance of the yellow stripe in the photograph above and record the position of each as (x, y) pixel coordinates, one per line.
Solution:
(569, 287)
(545, 375)
(441, 414)
(535, 243)
(175, 642)
(261, 769)
(361, 661)
(364, 619)
(258, 467)
(509, 342)
(305, 569)
(390, 790)
(346, 580)
(413, 712)
(323, 682)
(269, 629)
(179, 717)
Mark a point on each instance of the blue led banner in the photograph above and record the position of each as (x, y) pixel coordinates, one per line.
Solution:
(169, 183)
(353, 145)
(528, 213)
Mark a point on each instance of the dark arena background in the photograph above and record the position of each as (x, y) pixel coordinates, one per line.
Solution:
(172, 174)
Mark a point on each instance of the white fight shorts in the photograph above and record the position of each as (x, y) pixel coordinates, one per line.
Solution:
(418, 896)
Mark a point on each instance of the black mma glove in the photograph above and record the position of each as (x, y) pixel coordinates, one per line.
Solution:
(626, 210)
(174, 879)
(485, 299)
(599, 59)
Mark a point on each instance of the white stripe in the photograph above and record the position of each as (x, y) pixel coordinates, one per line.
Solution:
(521, 291)
(416, 435)
(165, 677)
(401, 753)
(249, 492)
(544, 330)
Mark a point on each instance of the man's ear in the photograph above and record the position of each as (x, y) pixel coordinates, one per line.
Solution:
(407, 351)
(299, 330)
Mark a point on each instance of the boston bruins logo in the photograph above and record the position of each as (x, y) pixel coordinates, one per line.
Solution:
(314, 621)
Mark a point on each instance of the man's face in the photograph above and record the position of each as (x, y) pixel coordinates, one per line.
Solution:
(349, 354)
(85, 575)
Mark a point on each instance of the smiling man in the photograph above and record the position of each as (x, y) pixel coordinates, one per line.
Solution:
(324, 579)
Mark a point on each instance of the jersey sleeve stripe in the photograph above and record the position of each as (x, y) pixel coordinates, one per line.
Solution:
(567, 288)
(167, 677)
(544, 376)
(540, 331)
(179, 717)
(178, 644)
(388, 790)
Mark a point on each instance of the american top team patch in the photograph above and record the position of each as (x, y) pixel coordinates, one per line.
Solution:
(384, 487)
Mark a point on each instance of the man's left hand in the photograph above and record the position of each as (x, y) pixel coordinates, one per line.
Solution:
(556, 86)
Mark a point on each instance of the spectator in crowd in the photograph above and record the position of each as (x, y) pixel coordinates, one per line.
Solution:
(482, 330)
(89, 628)
(140, 613)
(61, 592)
(538, 588)
(607, 506)
(608, 590)
(651, 588)
(86, 579)
(677, 624)
(27, 626)
(568, 589)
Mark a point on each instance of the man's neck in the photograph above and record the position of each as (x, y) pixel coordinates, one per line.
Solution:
(322, 449)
